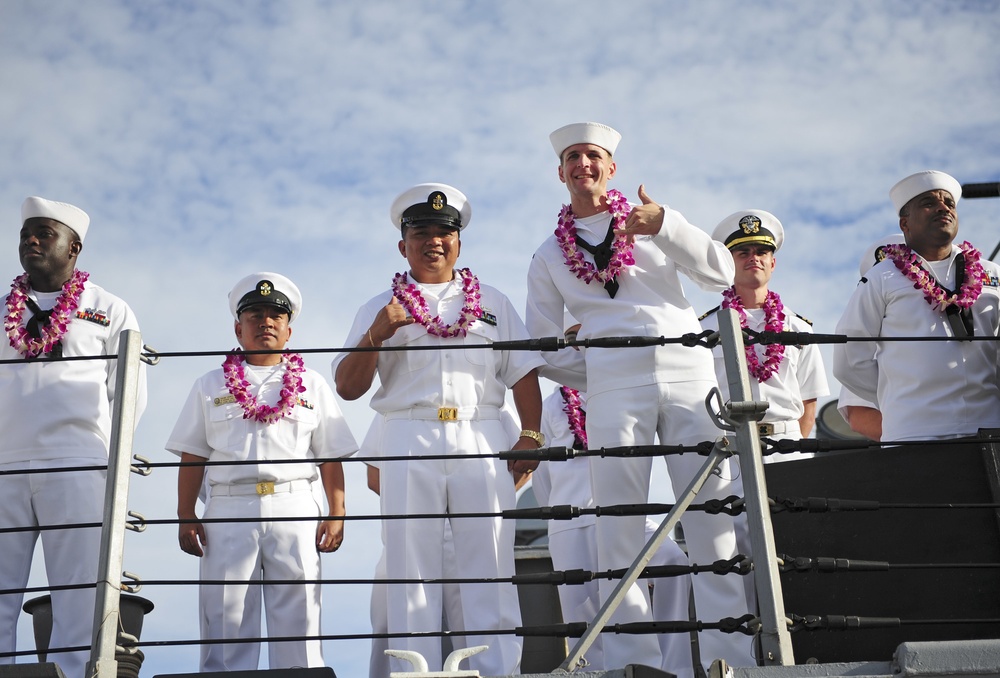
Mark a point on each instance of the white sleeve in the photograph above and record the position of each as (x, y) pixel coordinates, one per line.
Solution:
(811, 374)
(544, 316)
(854, 363)
(707, 262)
(332, 437)
(189, 433)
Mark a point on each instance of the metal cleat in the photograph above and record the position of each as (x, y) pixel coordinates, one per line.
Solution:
(450, 669)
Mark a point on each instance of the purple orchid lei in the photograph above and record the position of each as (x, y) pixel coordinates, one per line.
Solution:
(907, 261)
(577, 418)
(239, 387)
(774, 321)
(584, 270)
(66, 305)
(413, 301)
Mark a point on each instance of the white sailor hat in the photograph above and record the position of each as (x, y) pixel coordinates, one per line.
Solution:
(755, 227)
(64, 213)
(431, 204)
(921, 182)
(874, 254)
(268, 288)
(585, 133)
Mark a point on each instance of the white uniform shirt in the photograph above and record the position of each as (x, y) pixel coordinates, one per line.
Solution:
(57, 410)
(650, 302)
(557, 483)
(800, 376)
(211, 425)
(849, 398)
(453, 376)
(923, 389)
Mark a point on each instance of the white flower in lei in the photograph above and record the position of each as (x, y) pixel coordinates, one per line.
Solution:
(413, 301)
(66, 305)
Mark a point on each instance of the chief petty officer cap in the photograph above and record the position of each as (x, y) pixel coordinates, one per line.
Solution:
(874, 253)
(64, 213)
(755, 227)
(268, 288)
(585, 133)
(921, 182)
(439, 204)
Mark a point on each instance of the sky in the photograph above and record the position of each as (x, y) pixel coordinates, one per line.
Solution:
(210, 139)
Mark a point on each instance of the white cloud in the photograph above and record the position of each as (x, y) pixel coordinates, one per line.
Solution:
(210, 139)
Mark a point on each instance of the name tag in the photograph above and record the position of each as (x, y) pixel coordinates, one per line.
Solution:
(224, 400)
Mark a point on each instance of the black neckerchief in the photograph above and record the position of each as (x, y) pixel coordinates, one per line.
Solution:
(602, 254)
(38, 320)
(959, 318)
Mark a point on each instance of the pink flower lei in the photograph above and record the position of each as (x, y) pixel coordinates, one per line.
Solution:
(774, 321)
(907, 261)
(584, 270)
(66, 305)
(239, 387)
(577, 418)
(413, 301)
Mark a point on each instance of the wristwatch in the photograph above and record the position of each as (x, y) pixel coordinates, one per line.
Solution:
(534, 435)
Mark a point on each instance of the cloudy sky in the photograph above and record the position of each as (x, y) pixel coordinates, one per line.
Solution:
(209, 139)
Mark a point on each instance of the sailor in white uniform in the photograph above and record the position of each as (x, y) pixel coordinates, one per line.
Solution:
(789, 378)
(56, 414)
(862, 415)
(440, 402)
(261, 407)
(572, 543)
(928, 287)
(616, 268)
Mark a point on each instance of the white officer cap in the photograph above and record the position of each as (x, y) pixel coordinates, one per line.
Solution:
(585, 133)
(431, 204)
(750, 227)
(268, 288)
(921, 182)
(64, 213)
(874, 253)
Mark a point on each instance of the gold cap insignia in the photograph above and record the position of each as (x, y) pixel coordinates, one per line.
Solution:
(750, 224)
(437, 201)
(264, 288)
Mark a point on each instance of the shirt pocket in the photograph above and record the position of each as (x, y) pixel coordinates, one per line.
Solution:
(482, 358)
(226, 429)
(409, 361)
(293, 432)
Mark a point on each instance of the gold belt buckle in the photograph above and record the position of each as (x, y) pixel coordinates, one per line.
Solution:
(265, 487)
(765, 429)
(447, 413)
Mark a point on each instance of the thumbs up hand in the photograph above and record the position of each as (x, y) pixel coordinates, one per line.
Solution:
(644, 219)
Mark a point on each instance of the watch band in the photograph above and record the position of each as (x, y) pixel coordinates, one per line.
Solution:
(534, 435)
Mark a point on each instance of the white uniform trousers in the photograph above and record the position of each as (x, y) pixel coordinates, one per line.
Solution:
(378, 666)
(71, 556)
(263, 550)
(484, 547)
(676, 413)
(577, 548)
